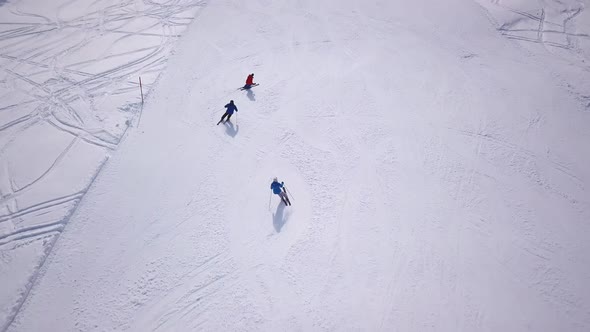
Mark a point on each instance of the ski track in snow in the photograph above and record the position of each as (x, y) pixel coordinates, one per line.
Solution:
(559, 27)
(437, 183)
(69, 71)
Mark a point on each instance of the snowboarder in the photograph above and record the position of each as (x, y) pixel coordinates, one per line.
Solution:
(279, 189)
(231, 107)
(249, 81)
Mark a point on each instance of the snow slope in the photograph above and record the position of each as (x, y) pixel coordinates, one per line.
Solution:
(69, 90)
(438, 168)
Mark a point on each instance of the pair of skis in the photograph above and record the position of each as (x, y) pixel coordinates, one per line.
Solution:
(251, 86)
(285, 198)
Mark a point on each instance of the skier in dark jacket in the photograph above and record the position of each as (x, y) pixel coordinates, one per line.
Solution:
(279, 189)
(231, 107)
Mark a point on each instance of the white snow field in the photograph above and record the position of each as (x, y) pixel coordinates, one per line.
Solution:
(69, 90)
(437, 153)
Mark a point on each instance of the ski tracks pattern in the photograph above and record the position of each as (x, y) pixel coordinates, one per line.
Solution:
(560, 27)
(75, 74)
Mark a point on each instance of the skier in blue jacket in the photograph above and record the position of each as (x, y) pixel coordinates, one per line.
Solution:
(231, 107)
(279, 189)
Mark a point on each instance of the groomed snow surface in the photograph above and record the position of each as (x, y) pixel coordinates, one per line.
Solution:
(436, 152)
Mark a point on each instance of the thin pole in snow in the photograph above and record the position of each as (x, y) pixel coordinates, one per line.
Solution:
(141, 109)
(141, 90)
(289, 193)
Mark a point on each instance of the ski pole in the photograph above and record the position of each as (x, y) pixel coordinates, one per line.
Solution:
(269, 196)
(288, 192)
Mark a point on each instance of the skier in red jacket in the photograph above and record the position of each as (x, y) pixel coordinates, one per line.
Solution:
(249, 81)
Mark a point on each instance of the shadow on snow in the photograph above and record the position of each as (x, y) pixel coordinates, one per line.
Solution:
(229, 128)
(279, 218)
(249, 93)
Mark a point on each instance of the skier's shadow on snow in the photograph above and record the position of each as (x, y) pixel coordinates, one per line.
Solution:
(230, 129)
(250, 95)
(279, 218)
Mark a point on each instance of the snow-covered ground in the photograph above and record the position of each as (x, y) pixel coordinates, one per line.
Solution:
(436, 152)
(69, 90)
